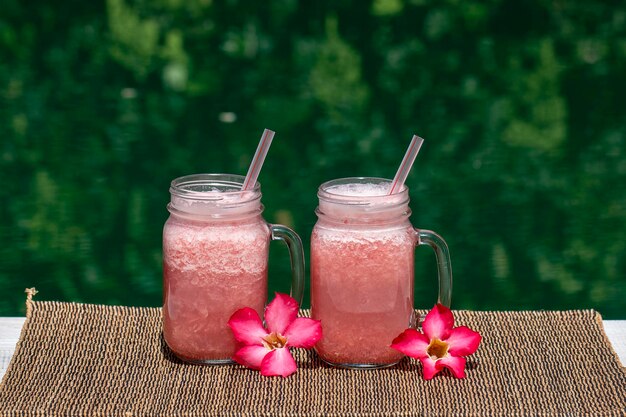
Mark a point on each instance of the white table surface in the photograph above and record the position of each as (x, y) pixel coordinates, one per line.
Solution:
(10, 328)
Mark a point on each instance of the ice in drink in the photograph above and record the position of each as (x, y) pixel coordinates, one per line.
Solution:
(210, 271)
(362, 273)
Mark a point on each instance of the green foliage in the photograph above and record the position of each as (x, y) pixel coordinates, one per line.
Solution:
(387, 7)
(521, 104)
(540, 118)
(335, 79)
(134, 40)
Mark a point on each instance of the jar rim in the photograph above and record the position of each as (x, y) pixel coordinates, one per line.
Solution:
(214, 196)
(204, 186)
(383, 200)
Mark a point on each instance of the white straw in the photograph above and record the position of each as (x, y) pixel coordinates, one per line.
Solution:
(407, 163)
(259, 158)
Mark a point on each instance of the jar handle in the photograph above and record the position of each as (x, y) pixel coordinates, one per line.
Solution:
(444, 267)
(296, 254)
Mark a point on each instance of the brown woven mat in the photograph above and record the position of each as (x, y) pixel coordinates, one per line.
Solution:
(80, 360)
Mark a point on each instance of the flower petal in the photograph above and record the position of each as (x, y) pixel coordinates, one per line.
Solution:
(429, 367)
(463, 341)
(455, 363)
(303, 333)
(438, 323)
(411, 343)
(247, 326)
(251, 356)
(280, 313)
(278, 362)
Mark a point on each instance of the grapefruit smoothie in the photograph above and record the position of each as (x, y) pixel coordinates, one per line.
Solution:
(215, 253)
(362, 271)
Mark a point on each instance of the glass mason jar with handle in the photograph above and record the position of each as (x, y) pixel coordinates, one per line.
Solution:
(362, 271)
(215, 261)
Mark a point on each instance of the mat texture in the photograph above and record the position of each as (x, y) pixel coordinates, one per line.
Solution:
(92, 360)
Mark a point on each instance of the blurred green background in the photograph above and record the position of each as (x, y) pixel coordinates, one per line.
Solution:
(522, 105)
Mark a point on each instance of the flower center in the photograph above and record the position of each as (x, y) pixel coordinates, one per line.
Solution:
(274, 341)
(437, 349)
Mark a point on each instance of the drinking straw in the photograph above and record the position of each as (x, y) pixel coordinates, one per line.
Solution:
(405, 166)
(259, 158)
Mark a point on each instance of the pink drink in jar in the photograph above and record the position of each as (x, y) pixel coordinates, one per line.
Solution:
(215, 256)
(362, 271)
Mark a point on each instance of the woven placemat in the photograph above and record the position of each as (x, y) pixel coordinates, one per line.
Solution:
(92, 360)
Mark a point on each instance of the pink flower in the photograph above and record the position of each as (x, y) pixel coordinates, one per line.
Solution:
(268, 349)
(441, 345)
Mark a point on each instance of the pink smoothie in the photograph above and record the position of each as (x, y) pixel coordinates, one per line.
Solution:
(361, 287)
(210, 271)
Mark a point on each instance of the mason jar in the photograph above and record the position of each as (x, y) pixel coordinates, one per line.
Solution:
(215, 261)
(362, 271)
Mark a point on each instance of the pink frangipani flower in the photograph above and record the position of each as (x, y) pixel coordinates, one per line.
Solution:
(268, 349)
(441, 345)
